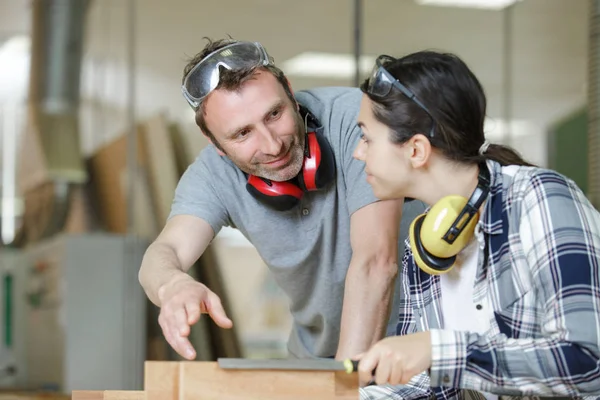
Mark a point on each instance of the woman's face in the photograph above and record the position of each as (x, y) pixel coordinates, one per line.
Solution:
(386, 164)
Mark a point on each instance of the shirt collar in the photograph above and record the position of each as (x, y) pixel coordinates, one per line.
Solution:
(493, 222)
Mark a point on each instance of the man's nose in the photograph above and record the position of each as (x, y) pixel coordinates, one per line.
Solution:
(272, 143)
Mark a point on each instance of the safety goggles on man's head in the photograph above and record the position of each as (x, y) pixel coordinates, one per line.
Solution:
(204, 77)
(380, 84)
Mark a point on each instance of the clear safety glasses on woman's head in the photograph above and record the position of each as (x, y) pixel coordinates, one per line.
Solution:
(380, 84)
(204, 77)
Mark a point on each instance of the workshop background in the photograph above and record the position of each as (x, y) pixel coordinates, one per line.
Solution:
(94, 134)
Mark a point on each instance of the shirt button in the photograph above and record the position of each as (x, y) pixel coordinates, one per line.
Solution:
(479, 306)
(446, 379)
(305, 211)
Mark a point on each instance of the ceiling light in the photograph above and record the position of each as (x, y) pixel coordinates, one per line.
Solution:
(487, 4)
(326, 65)
(14, 69)
(497, 129)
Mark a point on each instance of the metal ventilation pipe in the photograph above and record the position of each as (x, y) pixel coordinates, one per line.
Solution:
(58, 36)
(56, 57)
(63, 26)
(594, 104)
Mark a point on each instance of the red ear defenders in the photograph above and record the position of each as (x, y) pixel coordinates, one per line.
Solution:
(439, 235)
(317, 171)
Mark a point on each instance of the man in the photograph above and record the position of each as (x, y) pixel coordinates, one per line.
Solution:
(280, 169)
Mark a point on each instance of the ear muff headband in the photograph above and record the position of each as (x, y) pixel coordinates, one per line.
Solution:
(312, 162)
(272, 188)
(472, 207)
(281, 196)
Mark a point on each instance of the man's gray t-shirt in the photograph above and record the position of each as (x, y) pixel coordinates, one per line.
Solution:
(307, 248)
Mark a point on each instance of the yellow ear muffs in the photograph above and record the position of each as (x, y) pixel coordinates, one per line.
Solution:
(431, 252)
(439, 235)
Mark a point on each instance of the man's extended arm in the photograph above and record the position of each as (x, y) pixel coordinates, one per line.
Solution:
(371, 276)
(181, 242)
(163, 275)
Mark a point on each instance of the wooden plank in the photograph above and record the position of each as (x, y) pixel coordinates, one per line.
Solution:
(124, 395)
(33, 396)
(224, 342)
(346, 385)
(158, 151)
(108, 395)
(110, 180)
(206, 381)
(88, 395)
(161, 380)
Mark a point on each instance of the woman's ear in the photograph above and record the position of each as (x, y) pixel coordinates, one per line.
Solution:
(420, 150)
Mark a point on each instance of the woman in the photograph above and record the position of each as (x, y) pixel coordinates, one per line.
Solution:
(502, 275)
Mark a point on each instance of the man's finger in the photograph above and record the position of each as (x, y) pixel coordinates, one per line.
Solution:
(166, 331)
(175, 341)
(192, 309)
(183, 347)
(179, 322)
(172, 323)
(217, 312)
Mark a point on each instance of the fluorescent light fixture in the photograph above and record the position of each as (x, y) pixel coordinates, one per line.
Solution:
(497, 129)
(19, 44)
(487, 4)
(326, 65)
(14, 68)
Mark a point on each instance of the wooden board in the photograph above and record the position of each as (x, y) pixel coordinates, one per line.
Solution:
(159, 154)
(8, 395)
(161, 380)
(108, 395)
(110, 180)
(194, 380)
(124, 395)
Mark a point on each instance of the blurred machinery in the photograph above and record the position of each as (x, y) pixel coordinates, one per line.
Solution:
(81, 314)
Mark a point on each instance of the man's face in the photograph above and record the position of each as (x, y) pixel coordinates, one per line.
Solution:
(258, 127)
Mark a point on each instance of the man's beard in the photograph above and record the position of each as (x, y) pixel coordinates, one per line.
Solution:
(291, 170)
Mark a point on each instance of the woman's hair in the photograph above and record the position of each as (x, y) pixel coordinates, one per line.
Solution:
(444, 84)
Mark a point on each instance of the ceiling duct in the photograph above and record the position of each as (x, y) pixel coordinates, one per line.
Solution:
(58, 32)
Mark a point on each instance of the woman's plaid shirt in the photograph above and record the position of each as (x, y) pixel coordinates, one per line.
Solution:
(541, 284)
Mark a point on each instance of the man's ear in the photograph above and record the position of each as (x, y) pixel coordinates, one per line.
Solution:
(211, 141)
(219, 151)
(289, 85)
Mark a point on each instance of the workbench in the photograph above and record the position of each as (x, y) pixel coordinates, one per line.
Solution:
(199, 380)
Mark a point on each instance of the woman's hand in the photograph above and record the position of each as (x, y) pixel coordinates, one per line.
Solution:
(395, 359)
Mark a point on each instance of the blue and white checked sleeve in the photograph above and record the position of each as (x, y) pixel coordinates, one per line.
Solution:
(417, 389)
